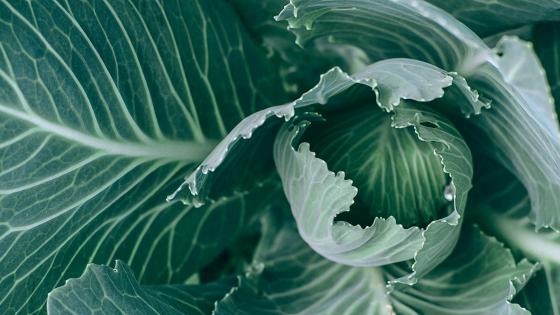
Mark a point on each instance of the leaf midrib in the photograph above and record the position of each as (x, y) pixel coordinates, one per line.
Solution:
(184, 151)
(530, 242)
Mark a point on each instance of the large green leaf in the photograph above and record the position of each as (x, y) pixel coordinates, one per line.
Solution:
(489, 17)
(502, 209)
(103, 104)
(388, 29)
(104, 290)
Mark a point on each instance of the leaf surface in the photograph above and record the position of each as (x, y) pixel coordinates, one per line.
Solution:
(104, 290)
(103, 104)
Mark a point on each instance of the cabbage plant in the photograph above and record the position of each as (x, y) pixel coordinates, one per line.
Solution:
(279, 157)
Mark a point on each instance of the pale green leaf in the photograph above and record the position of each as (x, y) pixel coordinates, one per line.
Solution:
(248, 145)
(522, 136)
(416, 29)
(288, 277)
(546, 39)
(388, 29)
(522, 69)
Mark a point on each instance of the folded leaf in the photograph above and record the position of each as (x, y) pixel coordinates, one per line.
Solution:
(388, 29)
(317, 195)
(531, 153)
(248, 145)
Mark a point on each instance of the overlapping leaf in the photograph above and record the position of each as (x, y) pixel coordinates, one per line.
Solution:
(391, 80)
(317, 195)
(104, 104)
(388, 29)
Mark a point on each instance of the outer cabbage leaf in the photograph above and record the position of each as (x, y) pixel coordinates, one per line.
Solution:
(521, 97)
(104, 290)
(490, 17)
(102, 105)
(388, 29)
(503, 211)
(524, 138)
(522, 69)
(480, 277)
(546, 38)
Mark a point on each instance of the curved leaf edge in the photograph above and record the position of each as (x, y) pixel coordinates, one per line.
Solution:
(453, 219)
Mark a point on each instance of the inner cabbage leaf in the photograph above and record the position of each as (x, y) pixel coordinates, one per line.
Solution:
(395, 173)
